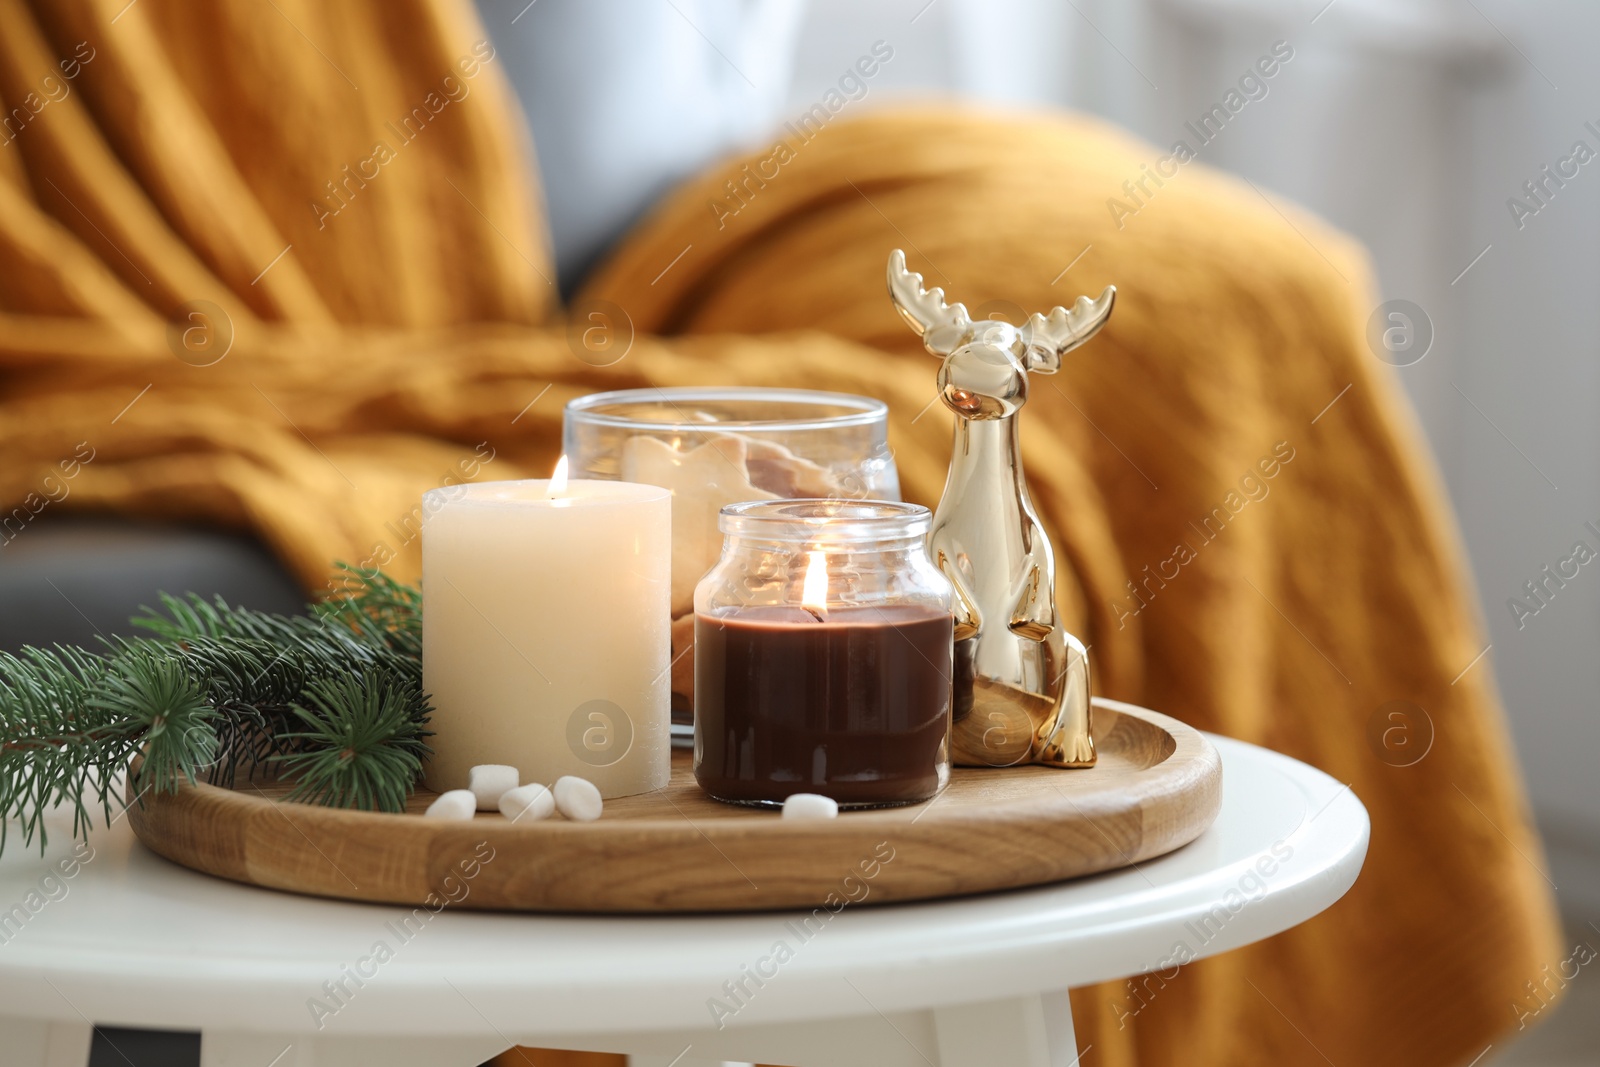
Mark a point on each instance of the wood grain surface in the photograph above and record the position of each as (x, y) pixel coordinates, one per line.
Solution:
(1158, 785)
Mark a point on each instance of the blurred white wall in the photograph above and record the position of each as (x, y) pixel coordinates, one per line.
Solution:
(1408, 123)
(627, 100)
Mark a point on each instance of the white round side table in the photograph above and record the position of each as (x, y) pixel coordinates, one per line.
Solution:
(128, 939)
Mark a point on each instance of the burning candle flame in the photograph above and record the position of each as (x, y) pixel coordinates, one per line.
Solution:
(814, 594)
(558, 480)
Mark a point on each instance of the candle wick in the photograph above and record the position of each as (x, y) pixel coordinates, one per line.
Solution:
(815, 614)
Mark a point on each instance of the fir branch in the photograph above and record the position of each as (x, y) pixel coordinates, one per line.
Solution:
(55, 747)
(332, 700)
(378, 608)
(363, 744)
(164, 705)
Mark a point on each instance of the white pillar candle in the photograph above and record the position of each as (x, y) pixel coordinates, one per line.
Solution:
(545, 640)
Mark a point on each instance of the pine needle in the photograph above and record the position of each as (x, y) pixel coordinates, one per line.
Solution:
(363, 745)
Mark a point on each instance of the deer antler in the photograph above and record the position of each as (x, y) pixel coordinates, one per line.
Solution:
(1049, 338)
(943, 328)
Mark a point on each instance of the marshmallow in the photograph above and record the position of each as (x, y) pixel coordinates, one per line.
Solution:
(532, 801)
(810, 806)
(456, 804)
(489, 782)
(578, 799)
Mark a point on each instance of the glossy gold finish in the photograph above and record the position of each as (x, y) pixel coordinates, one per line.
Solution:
(1022, 682)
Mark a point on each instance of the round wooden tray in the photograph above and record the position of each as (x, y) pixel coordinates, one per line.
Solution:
(1158, 785)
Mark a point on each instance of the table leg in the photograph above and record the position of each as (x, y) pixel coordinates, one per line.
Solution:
(1031, 1031)
(36, 1043)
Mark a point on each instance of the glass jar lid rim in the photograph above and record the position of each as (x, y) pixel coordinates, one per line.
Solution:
(824, 520)
(861, 410)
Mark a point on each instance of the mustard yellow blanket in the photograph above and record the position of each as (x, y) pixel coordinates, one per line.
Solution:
(280, 267)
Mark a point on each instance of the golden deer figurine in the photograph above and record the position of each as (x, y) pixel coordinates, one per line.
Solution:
(1021, 681)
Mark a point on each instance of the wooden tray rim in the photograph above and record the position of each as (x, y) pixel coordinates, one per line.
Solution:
(1190, 772)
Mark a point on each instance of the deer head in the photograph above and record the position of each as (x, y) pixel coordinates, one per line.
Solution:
(986, 363)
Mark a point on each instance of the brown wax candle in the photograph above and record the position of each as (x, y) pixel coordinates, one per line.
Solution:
(851, 702)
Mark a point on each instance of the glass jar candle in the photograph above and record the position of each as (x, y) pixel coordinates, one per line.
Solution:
(716, 446)
(823, 656)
